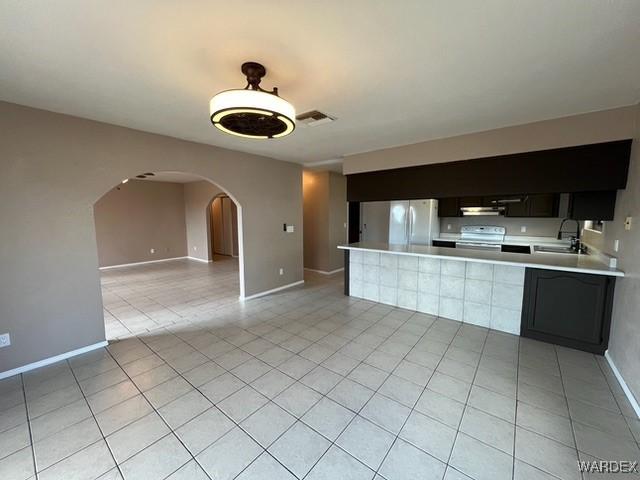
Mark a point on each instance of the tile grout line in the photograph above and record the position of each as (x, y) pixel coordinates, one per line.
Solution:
(376, 391)
(321, 394)
(32, 443)
(615, 398)
(299, 419)
(171, 430)
(566, 399)
(97, 425)
(433, 371)
(515, 411)
(466, 403)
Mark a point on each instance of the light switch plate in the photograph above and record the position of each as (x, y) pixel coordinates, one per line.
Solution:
(5, 340)
(627, 223)
(523, 229)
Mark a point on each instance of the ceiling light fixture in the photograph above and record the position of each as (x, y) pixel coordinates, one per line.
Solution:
(252, 112)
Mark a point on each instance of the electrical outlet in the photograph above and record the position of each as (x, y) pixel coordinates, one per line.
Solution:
(627, 223)
(153, 250)
(282, 271)
(448, 226)
(5, 340)
(523, 229)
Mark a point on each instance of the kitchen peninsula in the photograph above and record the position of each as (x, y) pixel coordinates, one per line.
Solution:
(564, 299)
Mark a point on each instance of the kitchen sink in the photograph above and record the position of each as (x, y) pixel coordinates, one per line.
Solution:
(551, 249)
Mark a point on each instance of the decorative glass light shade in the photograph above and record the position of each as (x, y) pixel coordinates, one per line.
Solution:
(252, 112)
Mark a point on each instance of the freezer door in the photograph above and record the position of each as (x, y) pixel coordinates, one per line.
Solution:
(424, 224)
(398, 226)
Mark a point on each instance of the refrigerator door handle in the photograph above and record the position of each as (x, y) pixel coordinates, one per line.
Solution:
(410, 223)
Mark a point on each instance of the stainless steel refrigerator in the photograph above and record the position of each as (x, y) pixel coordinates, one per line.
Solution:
(413, 222)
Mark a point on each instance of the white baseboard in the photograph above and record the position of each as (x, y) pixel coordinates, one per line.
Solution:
(201, 260)
(625, 388)
(273, 290)
(324, 272)
(50, 360)
(142, 263)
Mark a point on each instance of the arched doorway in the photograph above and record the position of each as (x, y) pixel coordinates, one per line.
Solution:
(223, 227)
(156, 265)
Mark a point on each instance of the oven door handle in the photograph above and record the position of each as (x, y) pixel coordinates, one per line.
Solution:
(482, 246)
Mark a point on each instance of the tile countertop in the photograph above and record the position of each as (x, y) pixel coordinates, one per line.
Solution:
(546, 261)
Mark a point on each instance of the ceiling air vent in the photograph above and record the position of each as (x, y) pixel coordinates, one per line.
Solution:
(313, 118)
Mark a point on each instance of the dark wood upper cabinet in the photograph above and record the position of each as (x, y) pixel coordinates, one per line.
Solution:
(518, 209)
(585, 168)
(592, 205)
(543, 205)
(448, 207)
(471, 202)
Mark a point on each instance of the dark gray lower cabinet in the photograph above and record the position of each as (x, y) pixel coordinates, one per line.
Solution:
(566, 308)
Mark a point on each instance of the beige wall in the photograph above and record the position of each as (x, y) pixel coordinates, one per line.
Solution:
(337, 219)
(55, 167)
(624, 345)
(325, 212)
(135, 217)
(316, 220)
(607, 125)
(197, 200)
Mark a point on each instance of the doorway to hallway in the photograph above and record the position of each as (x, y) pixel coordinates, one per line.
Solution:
(223, 227)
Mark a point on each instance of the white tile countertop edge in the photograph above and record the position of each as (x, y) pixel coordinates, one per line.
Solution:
(546, 261)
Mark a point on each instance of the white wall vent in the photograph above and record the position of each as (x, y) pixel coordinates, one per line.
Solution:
(313, 118)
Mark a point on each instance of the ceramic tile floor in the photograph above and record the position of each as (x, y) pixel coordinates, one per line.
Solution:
(144, 297)
(309, 384)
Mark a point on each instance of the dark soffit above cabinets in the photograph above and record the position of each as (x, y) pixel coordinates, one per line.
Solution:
(585, 168)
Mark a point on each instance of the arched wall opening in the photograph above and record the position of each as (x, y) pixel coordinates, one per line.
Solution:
(153, 233)
(68, 163)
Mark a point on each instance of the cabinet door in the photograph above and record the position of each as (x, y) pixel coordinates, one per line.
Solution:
(543, 205)
(448, 207)
(471, 201)
(566, 308)
(592, 205)
(518, 209)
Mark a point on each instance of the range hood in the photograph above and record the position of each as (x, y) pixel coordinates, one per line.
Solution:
(482, 211)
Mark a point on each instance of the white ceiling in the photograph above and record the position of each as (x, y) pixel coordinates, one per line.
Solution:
(392, 72)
